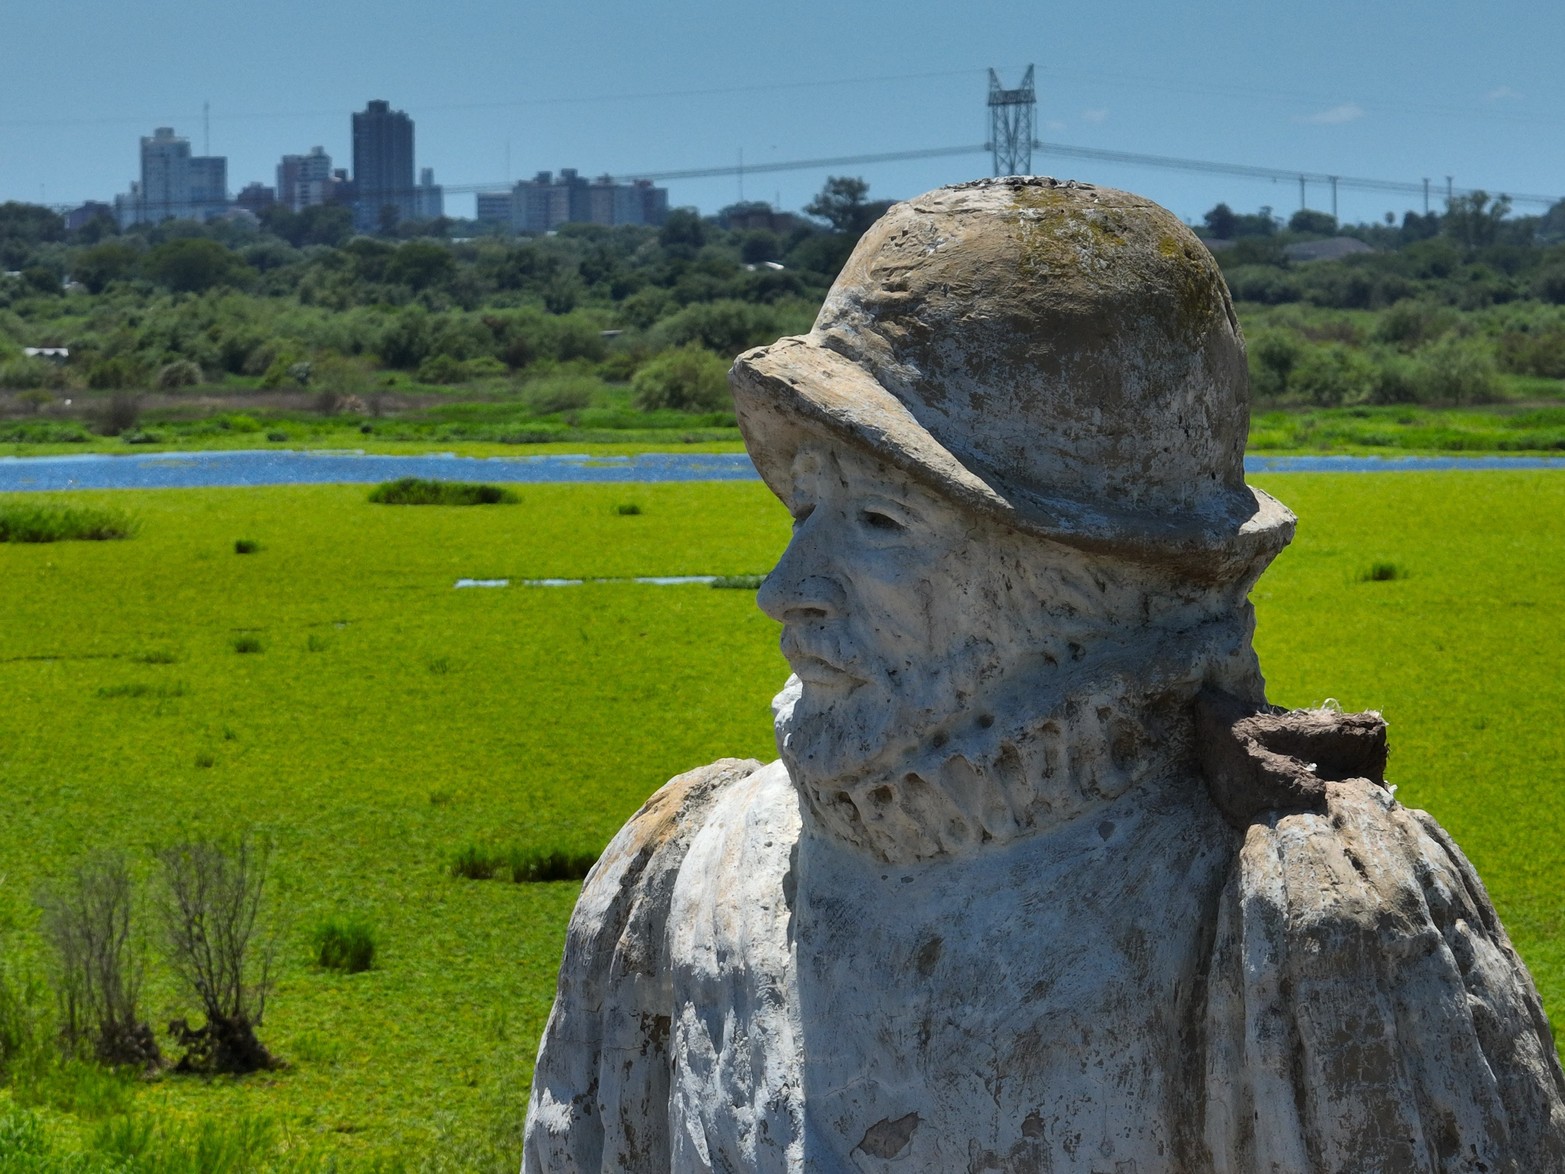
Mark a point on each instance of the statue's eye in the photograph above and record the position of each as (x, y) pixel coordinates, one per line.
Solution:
(876, 520)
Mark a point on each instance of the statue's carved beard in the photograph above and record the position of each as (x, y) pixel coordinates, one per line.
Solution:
(910, 772)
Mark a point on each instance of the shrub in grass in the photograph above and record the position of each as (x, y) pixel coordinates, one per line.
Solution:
(140, 689)
(739, 582)
(276, 437)
(26, 522)
(522, 865)
(212, 908)
(628, 510)
(534, 864)
(97, 964)
(227, 1143)
(246, 546)
(420, 491)
(21, 1016)
(688, 379)
(247, 643)
(1382, 573)
(346, 944)
(475, 863)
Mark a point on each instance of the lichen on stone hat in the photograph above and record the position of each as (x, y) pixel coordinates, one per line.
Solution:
(1060, 356)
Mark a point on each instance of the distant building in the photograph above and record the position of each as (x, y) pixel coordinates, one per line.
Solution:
(254, 197)
(493, 208)
(429, 199)
(92, 210)
(208, 192)
(174, 183)
(1331, 249)
(305, 180)
(543, 203)
(752, 216)
(382, 164)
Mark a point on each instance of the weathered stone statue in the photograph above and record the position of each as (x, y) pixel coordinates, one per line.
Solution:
(1041, 882)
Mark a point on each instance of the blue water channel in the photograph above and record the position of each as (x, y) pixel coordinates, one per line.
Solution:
(285, 467)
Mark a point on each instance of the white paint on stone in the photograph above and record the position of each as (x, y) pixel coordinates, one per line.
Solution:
(1039, 882)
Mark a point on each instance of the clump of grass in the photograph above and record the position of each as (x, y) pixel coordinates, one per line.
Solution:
(475, 863)
(139, 689)
(277, 437)
(315, 644)
(247, 546)
(171, 1145)
(440, 798)
(27, 522)
(346, 944)
(522, 865)
(628, 509)
(439, 665)
(247, 643)
(1382, 573)
(205, 761)
(420, 491)
(740, 582)
(155, 656)
(535, 864)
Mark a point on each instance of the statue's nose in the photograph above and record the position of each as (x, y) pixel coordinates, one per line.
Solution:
(806, 583)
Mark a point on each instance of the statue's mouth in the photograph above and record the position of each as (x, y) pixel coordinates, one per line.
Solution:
(812, 670)
(814, 666)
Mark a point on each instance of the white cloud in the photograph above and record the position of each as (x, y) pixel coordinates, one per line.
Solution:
(1336, 116)
(1099, 115)
(1503, 94)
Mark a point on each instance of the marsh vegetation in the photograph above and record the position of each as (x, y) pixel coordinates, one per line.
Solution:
(404, 999)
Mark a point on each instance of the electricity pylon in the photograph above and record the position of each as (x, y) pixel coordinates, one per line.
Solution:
(1011, 124)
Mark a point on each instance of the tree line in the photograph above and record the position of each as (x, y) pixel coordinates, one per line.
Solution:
(296, 300)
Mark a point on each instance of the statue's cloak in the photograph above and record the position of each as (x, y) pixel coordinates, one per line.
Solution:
(1144, 989)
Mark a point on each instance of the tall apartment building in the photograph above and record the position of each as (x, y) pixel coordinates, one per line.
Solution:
(305, 180)
(382, 164)
(174, 183)
(543, 203)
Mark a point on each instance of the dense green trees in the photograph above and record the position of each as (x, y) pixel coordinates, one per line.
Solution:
(1445, 307)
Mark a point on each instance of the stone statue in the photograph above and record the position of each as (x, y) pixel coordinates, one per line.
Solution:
(1040, 882)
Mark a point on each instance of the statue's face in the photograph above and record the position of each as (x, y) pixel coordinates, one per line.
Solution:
(895, 609)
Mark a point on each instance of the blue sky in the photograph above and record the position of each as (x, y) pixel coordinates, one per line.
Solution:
(1395, 91)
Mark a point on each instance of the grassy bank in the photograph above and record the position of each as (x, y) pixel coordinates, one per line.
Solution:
(1523, 426)
(388, 724)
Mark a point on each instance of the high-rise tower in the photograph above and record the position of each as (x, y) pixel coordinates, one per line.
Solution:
(382, 164)
(174, 183)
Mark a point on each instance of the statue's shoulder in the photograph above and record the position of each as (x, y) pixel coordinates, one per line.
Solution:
(600, 1087)
(634, 875)
(1365, 1008)
(1361, 973)
(664, 824)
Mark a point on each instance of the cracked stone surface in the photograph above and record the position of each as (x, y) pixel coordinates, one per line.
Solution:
(1039, 881)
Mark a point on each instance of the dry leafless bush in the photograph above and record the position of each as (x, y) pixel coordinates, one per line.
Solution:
(98, 969)
(211, 908)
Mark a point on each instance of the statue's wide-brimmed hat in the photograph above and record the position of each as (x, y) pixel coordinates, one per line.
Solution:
(1062, 357)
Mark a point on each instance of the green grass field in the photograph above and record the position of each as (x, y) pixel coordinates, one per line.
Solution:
(390, 721)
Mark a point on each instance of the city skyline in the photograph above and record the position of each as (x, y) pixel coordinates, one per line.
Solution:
(498, 95)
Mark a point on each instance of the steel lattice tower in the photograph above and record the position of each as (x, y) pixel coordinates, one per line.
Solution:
(1010, 125)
